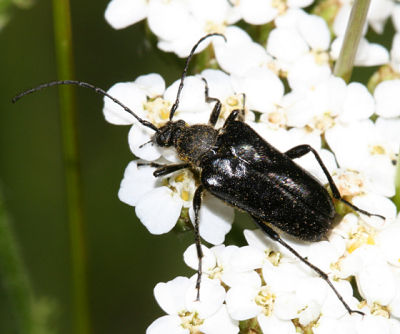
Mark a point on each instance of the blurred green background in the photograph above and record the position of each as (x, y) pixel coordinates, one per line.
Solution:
(124, 260)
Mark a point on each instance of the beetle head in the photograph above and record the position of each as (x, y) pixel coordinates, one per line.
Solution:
(166, 135)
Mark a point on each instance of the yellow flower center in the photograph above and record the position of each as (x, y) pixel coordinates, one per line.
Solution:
(362, 236)
(158, 111)
(265, 299)
(191, 321)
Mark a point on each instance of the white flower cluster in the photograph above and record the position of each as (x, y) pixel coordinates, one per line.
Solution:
(262, 285)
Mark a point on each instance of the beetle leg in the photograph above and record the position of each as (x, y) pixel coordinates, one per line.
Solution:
(232, 116)
(299, 151)
(164, 169)
(217, 108)
(196, 208)
(243, 110)
(275, 236)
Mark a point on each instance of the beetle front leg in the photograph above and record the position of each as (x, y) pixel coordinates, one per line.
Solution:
(196, 208)
(276, 237)
(164, 169)
(299, 151)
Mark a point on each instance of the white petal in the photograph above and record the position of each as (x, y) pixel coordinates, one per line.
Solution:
(286, 44)
(348, 143)
(219, 83)
(341, 19)
(262, 87)
(286, 306)
(159, 210)
(122, 13)
(257, 11)
(332, 306)
(170, 324)
(131, 96)
(153, 84)
(388, 98)
(378, 13)
(371, 54)
(137, 138)
(358, 103)
(272, 324)
(247, 258)
(299, 3)
(191, 259)
(192, 99)
(372, 325)
(395, 52)
(239, 53)
(322, 254)
(376, 283)
(240, 302)
(219, 323)
(396, 17)
(201, 10)
(257, 239)
(212, 295)
(215, 219)
(247, 278)
(329, 95)
(282, 278)
(388, 242)
(315, 31)
(307, 73)
(380, 173)
(312, 289)
(136, 183)
(377, 205)
(389, 129)
(166, 19)
(298, 107)
(171, 295)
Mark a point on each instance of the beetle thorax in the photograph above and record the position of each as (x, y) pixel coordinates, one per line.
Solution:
(190, 142)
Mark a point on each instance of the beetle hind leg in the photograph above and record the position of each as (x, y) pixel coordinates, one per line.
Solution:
(196, 208)
(299, 151)
(276, 237)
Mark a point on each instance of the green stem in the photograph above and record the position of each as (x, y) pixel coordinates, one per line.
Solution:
(14, 277)
(396, 198)
(63, 44)
(345, 63)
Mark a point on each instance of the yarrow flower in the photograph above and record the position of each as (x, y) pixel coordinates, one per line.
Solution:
(284, 82)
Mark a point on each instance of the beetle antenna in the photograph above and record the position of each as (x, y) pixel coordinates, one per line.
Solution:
(147, 142)
(176, 103)
(85, 85)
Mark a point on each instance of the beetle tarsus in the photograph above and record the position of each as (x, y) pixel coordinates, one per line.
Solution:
(276, 237)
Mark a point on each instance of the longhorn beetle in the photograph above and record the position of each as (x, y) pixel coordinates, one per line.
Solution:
(238, 166)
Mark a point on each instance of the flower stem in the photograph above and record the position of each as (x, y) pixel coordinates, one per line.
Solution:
(345, 63)
(63, 44)
(14, 277)
(396, 198)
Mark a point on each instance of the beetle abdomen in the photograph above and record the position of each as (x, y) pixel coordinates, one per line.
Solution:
(296, 203)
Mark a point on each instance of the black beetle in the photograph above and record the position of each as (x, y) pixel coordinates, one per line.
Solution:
(238, 166)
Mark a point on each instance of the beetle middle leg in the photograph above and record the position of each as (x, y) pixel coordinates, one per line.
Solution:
(299, 151)
(276, 237)
(165, 169)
